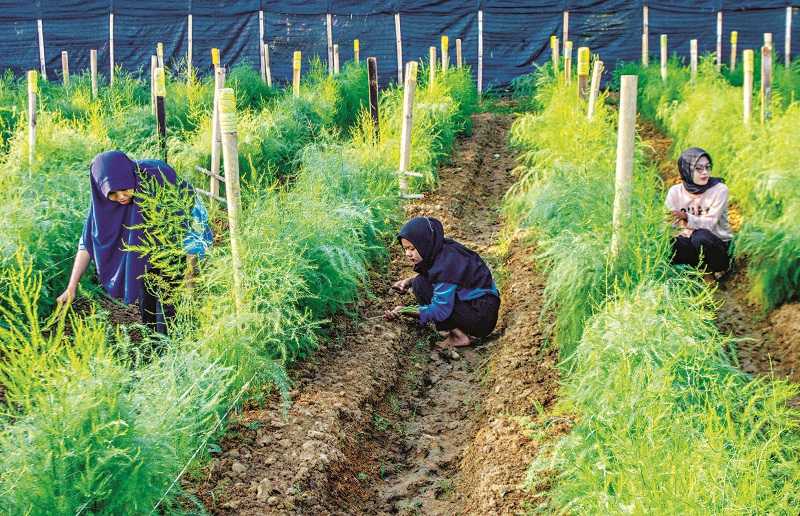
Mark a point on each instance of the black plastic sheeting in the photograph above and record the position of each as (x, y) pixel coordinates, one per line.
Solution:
(515, 34)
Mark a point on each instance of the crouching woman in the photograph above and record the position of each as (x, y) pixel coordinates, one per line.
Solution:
(699, 208)
(453, 286)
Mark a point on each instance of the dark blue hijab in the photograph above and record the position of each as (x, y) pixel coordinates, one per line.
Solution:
(107, 231)
(686, 162)
(444, 260)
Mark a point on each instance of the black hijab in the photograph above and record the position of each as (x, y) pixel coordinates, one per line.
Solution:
(686, 162)
(444, 260)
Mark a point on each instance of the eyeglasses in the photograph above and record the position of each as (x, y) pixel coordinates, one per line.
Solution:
(701, 168)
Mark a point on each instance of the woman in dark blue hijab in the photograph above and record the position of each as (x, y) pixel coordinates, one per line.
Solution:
(453, 285)
(113, 225)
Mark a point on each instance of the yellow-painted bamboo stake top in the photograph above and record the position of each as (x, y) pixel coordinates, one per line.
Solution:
(161, 83)
(748, 60)
(411, 71)
(583, 61)
(33, 81)
(356, 45)
(734, 37)
(215, 56)
(227, 110)
(445, 44)
(160, 50)
(664, 40)
(553, 42)
(297, 59)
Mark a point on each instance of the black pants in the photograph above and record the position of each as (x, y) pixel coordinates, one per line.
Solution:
(714, 252)
(155, 313)
(476, 317)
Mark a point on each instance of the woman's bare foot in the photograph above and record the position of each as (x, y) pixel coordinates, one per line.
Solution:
(458, 338)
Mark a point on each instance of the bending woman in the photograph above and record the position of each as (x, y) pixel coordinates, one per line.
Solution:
(699, 207)
(453, 285)
(110, 229)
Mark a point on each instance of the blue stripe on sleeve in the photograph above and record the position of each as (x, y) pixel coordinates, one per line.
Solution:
(444, 298)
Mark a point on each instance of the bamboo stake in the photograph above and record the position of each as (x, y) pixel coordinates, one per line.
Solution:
(565, 21)
(583, 72)
(787, 41)
(693, 58)
(297, 63)
(33, 88)
(40, 31)
(372, 75)
(719, 41)
(215, 57)
(624, 169)
(664, 57)
(568, 62)
(747, 86)
(93, 71)
(597, 72)
(445, 54)
(216, 135)
(645, 36)
(160, 54)
(161, 115)
(65, 67)
(356, 51)
(405, 135)
(111, 49)
(336, 59)
(459, 62)
(153, 66)
(230, 152)
(189, 47)
(329, 29)
(734, 41)
(766, 83)
(261, 45)
(554, 54)
(399, 44)
(431, 67)
(267, 70)
(480, 52)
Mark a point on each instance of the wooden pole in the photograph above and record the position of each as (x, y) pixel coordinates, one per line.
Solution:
(356, 51)
(33, 88)
(111, 49)
(565, 21)
(480, 52)
(664, 57)
(399, 44)
(445, 54)
(160, 54)
(645, 36)
(190, 40)
(261, 45)
(459, 62)
(372, 75)
(405, 135)
(597, 72)
(230, 152)
(336, 59)
(153, 66)
(161, 115)
(568, 62)
(787, 41)
(747, 86)
(693, 58)
(555, 52)
(40, 31)
(329, 29)
(734, 41)
(297, 63)
(65, 67)
(766, 82)
(216, 135)
(583, 72)
(267, 70)
(431, 67)
(624, 169)
(215, 57)
(93, 71)
(719, 41)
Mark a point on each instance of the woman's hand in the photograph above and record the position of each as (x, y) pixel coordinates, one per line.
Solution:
(394, 313)
(680, 215)
(67, 296)
(402, 286)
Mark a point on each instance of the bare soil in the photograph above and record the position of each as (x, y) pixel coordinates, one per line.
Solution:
(383, 423)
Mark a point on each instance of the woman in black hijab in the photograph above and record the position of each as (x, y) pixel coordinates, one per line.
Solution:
(453, 285)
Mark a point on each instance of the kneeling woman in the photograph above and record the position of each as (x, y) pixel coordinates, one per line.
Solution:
(453, 285)
(699, 207)
(114, 225)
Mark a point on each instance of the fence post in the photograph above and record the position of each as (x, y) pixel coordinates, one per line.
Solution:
(405, 136)
(161, 115)
(216, 136)
(336, 59)
(787, 41)
(93, 71)
(267, 70)
(111, 49)
(329, 30)
(40, 31)
(189, 47)
(664, 57)
(480, 52)
(431, 67)
(65, 67)
(693, 58)
(624, 169)
(215, 57)
(160, 54)
(555, 53)
(261, 45)
(372, 75)
(645, 36)
(747, 86)
(719, 41)
(565, 22)
(230, 152)
(356, 51)
(297, 63)
(568, 62)
(583, 72)
(399, 44)
(766, 78)
(153, 66)
(459, 62)
(597, 71)
(445, 54)
(33, 88)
